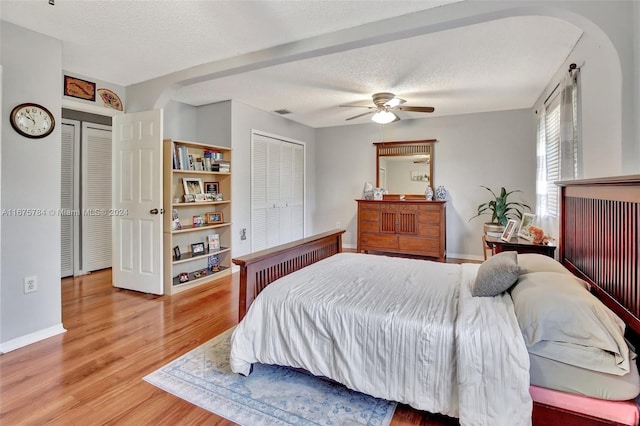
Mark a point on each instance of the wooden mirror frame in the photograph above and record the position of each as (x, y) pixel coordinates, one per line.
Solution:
(405, 149)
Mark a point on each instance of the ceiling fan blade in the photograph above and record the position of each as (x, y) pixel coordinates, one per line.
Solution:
(357, 106)
(359, 115)
(392, 103)
(415, 108)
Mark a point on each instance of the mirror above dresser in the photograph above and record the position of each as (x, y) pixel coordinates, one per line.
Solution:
(405, 167)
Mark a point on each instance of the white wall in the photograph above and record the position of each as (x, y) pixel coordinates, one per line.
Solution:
(30, 180)
(179, 121)
(492, 149)
(244, 119)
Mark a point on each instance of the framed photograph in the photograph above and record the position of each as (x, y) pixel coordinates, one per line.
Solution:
(213, 242)
(212, 187)
(197, 249)
(508, 230)
(197, 221)
(192, 186)
(214, 217)
(189, 198)
(201, 198)
(527, 220)
(176, 253)
(79, 88)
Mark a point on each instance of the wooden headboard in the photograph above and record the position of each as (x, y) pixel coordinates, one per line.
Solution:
(258, 270)
(599, 240)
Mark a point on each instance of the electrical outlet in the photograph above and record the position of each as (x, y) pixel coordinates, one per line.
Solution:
(30, 284)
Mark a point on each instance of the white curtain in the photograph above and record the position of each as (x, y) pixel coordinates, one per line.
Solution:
(558, 150)
(569, 149)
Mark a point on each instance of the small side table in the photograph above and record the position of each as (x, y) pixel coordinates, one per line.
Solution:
(521, 246)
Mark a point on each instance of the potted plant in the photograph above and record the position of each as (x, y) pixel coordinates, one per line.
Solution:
(500, 209)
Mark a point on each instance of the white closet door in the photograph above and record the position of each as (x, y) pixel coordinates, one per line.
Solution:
(297, 199)
(259, 204)
(70, 134)
(277, 187)
(96, 197)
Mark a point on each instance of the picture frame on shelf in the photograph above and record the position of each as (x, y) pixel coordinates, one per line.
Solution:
(192, 186)
(200, 198)
(176, 253)
(198, 221)
(189, 198)
(219, 196)
(213, 242)
(508, 230)
(175, 221)
(197, 249)
(211, 197)
(211, 187)
(528, 219)
(213, 218)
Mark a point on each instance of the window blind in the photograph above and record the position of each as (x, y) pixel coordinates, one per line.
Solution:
(552, 155)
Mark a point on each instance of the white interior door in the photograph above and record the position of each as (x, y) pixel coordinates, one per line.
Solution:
(137, 201)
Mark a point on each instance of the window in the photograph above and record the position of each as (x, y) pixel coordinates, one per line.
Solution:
(558, 149)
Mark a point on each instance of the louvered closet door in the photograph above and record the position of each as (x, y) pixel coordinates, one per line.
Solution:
(277, 188)
(96, 197)
(259, 194)
(70, 134)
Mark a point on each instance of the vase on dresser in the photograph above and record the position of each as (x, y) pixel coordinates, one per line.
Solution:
(428, 193)
(441, 193)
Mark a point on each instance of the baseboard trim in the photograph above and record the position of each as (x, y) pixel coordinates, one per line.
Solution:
(30, 338)
(465, 256)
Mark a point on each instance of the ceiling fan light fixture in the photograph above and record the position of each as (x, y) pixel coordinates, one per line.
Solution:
(384, 117)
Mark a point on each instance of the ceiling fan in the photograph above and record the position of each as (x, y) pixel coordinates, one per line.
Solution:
(385, 103)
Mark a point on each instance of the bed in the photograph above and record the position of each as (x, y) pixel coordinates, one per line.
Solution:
(606, 260)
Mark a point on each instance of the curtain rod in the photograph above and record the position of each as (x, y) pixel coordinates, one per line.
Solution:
(572, 67)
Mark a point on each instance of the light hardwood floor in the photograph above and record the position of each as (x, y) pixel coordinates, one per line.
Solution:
(92, 374)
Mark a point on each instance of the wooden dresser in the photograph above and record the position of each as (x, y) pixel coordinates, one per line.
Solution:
(411, 227)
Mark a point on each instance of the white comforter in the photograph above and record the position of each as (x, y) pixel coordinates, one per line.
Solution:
(400, 329)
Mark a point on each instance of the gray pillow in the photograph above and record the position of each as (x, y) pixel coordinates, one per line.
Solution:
(496, 274)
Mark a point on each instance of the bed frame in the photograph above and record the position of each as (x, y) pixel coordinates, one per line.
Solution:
(599, 242)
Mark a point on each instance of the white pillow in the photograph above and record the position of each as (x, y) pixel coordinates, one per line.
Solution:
(534, 262)
(563, 321)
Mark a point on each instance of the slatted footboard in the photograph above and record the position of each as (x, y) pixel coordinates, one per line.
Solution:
(260, 269)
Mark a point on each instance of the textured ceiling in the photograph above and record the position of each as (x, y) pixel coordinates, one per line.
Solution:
(490, 66)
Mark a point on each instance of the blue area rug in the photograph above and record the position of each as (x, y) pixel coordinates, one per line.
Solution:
(271, 395)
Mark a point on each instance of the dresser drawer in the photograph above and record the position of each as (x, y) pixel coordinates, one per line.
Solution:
(429, 230)
(367, 226)
(426, 246)
(429, 217)
(378, 241)
(369, 215)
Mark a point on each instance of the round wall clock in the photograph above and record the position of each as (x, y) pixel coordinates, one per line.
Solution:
(32, 120)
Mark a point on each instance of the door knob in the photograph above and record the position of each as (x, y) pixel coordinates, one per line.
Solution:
(154, 211)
